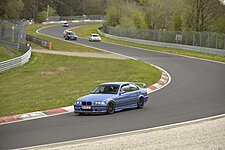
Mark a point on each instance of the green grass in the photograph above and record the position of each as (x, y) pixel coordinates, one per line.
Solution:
(85, 32)
(51, 81)
(58, 45)
(6, 56)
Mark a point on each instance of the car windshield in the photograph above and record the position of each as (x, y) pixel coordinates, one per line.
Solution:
(71, 33)
(106, 89)
(95, 35)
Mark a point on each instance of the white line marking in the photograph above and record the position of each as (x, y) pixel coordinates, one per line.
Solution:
(85, 140)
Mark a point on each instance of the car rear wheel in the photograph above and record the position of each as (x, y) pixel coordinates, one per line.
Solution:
(110, 108)
(140, 103)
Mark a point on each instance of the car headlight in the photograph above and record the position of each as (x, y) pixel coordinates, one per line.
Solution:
(78, 102)
(99, 103)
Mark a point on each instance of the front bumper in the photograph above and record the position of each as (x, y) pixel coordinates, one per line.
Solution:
(72, 38)
(94, 39)
(146, 99)
(94, 109)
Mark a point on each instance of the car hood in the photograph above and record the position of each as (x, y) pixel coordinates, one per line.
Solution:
(73, 35)
(96, 97)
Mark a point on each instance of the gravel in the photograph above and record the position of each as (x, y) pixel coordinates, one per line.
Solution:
(207, 135)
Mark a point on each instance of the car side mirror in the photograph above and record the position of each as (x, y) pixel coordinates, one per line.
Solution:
(90, 92)
(122, 92)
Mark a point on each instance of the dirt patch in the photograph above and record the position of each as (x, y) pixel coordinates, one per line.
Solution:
(58, 70)
(47, 73)
(61, 68)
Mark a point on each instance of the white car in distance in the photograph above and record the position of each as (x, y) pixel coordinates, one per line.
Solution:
(95, 37)
(65, 25)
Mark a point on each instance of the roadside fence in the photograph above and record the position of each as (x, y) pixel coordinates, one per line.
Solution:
(69, 18)
(200, 39)
(42, 42)
(13, 33)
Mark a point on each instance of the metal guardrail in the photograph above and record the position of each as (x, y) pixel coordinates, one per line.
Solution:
(42, 42)
(15, 62)
(213, 51)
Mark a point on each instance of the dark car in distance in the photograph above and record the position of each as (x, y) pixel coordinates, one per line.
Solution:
(69, 35)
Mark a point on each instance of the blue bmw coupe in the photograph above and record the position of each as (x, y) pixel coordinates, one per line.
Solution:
(111, 97)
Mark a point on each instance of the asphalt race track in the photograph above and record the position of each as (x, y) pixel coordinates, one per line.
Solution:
(197, 90)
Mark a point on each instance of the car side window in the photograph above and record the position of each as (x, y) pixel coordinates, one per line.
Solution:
(125, 88)
(133, 87)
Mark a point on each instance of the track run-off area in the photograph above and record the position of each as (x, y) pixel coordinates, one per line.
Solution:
(197, 90)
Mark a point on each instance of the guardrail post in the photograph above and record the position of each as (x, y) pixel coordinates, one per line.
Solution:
(208, 38)
(13, 33)
(0, 30)
(158, 36)
(186, 38)
(216, 40)
(200, 39)
(18, 39)
(193, 39)
(224, 40)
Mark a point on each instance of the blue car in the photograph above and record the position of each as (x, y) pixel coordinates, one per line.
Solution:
(111, 97)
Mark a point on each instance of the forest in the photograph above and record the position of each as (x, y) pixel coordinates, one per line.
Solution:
(37, 9)
(164, 15)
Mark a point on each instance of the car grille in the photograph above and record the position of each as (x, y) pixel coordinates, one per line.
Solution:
(87, 103)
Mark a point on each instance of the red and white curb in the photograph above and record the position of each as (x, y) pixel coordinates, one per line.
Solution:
(165, 80)
(35, 115)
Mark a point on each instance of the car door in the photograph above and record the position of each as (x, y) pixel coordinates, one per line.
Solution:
(134, 93)
(124, 99)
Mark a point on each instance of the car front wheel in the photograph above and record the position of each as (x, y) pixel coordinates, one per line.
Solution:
(110, 108)
(140, 103)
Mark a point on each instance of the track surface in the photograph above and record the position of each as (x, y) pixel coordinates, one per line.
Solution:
(197, 90)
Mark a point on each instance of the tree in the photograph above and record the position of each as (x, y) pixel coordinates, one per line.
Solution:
(13, 9)
(219, 26)
(52, 12)
(114, 12)
(42, 16)
(177, 23)
(158, 14)
(30, 9)
(3, 9)
(93, 7)
(199, 15)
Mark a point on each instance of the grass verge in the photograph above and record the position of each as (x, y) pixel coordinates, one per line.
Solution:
(85, 32)
(6, 56)
(52, 81)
